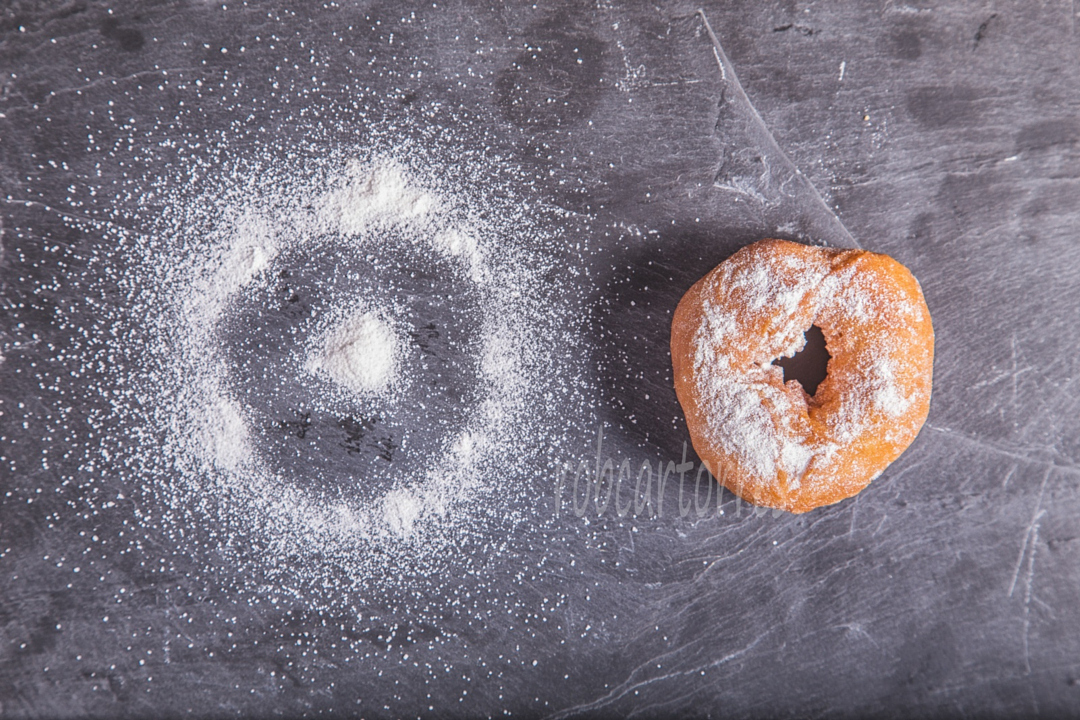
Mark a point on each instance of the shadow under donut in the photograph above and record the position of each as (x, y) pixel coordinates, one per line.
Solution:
(631, 326)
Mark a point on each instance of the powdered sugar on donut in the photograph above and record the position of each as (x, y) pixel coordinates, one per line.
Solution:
(887, 393)
(767, 425)
(745, 400)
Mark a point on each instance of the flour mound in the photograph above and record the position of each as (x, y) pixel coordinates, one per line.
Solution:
(361, 354)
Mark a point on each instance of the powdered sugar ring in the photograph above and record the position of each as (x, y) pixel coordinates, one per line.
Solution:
(768, 441)
(378, 198)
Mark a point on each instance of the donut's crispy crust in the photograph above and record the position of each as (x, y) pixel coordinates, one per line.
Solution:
(877, 319)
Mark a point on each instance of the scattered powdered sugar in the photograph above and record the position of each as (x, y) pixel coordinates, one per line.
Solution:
(223, 435)
(461, 243)
(252, 250)
(343, 360)
(376, 194)
(363, 353)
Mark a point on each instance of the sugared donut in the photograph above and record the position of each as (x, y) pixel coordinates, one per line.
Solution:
(769, 442)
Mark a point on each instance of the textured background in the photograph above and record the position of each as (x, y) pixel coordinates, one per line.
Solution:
(944, 134)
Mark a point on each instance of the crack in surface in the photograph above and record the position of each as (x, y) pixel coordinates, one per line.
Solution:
(730, 80)
(996, 448)
(627, 686)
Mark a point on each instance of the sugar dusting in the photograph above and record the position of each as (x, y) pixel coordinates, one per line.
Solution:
(753, 414)
(374, 195)
(282, 306)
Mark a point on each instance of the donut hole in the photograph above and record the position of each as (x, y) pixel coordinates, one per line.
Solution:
(810, 365)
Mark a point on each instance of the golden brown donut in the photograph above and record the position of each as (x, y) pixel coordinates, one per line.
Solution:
(769, 442)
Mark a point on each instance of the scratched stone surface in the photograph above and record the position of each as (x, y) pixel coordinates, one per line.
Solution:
(943, 134)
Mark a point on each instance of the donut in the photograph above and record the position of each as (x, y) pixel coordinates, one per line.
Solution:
(767, 440)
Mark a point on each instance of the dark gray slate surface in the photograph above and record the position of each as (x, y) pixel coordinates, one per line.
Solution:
(946, 135)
